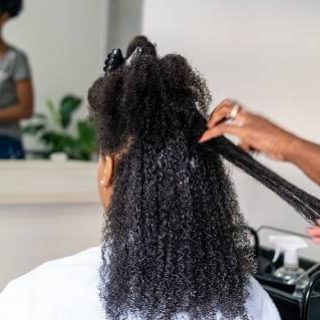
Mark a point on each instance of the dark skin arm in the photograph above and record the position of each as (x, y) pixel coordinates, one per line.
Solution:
(259, 134)
(307, 159)
(24, 107)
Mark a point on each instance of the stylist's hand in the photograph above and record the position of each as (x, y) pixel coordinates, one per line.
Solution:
(314, 233)
(255, 132)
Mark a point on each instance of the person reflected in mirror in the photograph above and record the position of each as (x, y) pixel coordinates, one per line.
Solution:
(16, 91)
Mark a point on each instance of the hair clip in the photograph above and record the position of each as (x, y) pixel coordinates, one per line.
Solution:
(113, 61)
(134, 55)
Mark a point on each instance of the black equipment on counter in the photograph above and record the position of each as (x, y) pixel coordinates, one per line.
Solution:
(291, 307)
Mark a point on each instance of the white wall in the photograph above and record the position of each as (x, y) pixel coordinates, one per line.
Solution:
(33, 234)
(48, 210)
(266, 54)
(125, 18)
(65, 42)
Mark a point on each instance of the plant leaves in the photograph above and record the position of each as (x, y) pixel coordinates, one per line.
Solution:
(53, 112)
(86, 133)
(58, 142)
(40, 116)
(33, 129)
(86, 140)
(51, 130)
(68, 105)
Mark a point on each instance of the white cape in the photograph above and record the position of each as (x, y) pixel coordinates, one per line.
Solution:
(67, 289)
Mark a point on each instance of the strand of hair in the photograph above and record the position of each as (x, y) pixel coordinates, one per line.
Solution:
(306, 204)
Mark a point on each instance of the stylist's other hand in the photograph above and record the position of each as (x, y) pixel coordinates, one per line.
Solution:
(255, 132)
(314, 233)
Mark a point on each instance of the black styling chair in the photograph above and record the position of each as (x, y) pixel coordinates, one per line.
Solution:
(291, 307)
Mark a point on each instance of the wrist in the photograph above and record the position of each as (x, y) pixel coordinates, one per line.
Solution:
(291, 148)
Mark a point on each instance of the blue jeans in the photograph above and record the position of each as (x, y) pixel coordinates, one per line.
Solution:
(11, 148)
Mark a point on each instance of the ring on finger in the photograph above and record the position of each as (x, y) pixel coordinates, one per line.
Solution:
(234, 111)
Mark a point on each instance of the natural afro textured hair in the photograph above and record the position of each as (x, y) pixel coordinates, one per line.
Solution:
(13, 7)
(174, 241)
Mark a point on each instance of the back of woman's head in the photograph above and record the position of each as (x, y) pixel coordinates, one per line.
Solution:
(174, 240)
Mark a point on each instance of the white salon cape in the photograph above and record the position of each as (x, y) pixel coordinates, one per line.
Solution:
(67, 289)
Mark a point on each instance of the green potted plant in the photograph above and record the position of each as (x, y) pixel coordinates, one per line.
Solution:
(53, 130)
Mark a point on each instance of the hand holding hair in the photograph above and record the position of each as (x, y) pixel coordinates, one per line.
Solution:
(256, 133)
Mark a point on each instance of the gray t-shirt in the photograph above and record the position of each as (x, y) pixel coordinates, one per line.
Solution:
(14, 67)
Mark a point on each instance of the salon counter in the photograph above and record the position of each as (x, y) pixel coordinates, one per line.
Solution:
(40, 182)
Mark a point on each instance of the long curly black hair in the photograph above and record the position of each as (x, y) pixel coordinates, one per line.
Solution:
(174, 239)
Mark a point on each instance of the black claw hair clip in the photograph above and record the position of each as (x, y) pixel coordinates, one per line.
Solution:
(114, 60)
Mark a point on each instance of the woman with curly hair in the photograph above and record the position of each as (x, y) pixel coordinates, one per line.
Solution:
(16, 92)
(174, 244)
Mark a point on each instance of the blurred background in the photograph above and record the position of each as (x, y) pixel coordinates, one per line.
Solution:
(263, 53)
